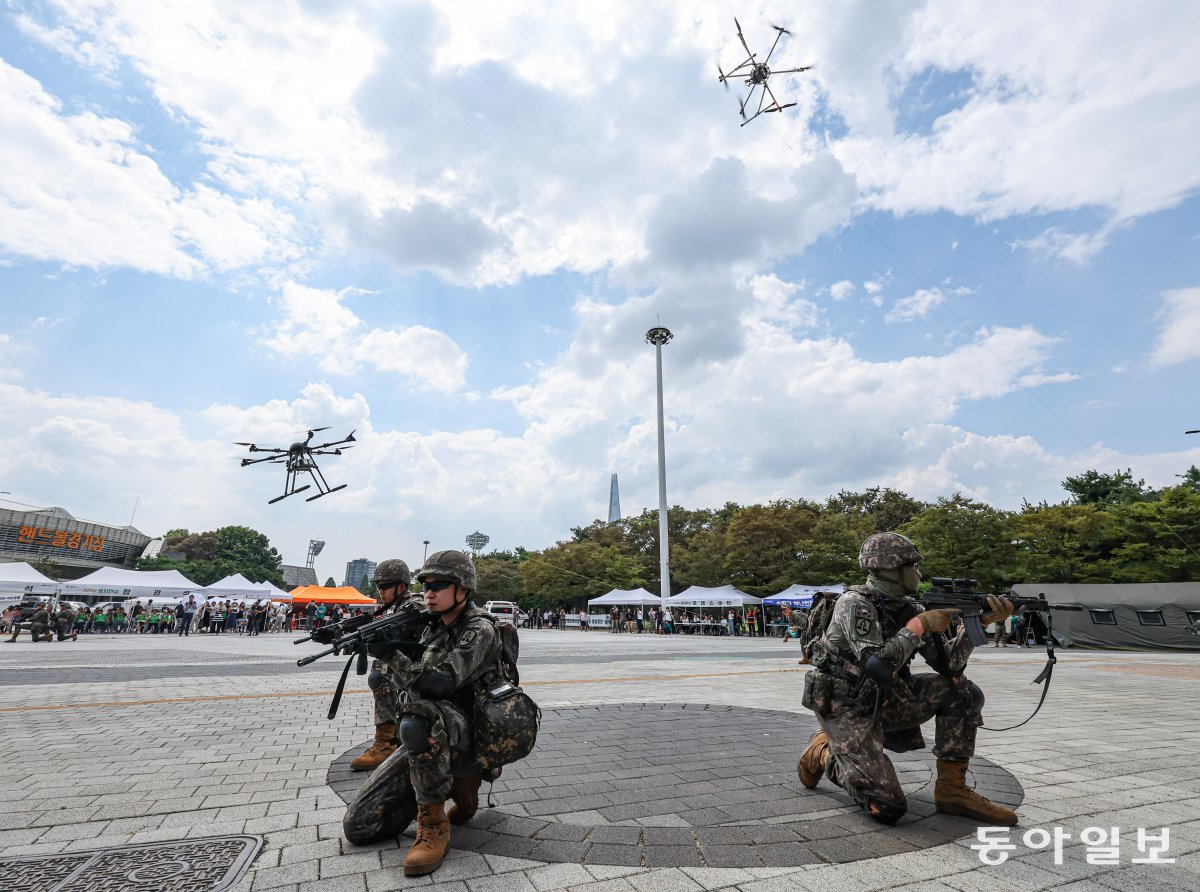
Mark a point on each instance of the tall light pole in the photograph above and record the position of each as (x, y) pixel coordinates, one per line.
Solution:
(425, 542)
(659, 336)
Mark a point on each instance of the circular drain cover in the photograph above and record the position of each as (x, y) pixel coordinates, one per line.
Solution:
(665, 785)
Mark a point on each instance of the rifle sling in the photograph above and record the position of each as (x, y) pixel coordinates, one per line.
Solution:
(1043, 676)
(337, 694)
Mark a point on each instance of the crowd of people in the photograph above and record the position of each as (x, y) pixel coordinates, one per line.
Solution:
(214, 617)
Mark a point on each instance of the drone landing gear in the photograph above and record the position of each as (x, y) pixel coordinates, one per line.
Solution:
(292, 493)
(327, 492)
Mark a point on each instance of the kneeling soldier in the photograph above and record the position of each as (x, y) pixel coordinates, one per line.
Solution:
(391, 579)
(459, 663)
(867, 699)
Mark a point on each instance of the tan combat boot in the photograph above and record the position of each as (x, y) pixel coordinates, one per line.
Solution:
(811, 767)
(465, 793)
(952, 796)
(433, 836)
(385, 744)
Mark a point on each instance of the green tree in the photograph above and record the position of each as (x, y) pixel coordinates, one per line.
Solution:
(366, 586)
(213, 555)
(569, 573)
(887, 509)
(1156, 540)
(1094, 488)
(1063, 543)
(763, 543)
(830, 553)
(46, 567)
(959, 537)
(499, 579)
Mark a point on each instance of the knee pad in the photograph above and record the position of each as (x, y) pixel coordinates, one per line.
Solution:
(374, 679)
(414, 734)
(977, 697)
(887, 812)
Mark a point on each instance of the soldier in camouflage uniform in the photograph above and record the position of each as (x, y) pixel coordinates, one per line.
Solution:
(39, 625)
(459, 651)
(392, 579)
(65, 623)
(861, 663)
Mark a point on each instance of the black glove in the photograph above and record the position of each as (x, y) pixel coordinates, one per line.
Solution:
(381, 650)
(324, 635)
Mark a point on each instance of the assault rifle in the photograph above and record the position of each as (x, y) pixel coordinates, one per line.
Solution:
(957, 594)
(401, 629)
(326, 634)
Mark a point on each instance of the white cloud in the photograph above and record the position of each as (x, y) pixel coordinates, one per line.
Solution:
(841, 290)
(1077, 248)
(80, 189)
(921, 303)
(316, 324)
(1179, 328)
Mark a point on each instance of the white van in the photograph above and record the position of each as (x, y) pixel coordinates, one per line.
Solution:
(506, 612)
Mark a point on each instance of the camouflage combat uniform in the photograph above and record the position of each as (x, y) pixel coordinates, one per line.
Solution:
(797, 624)
(868, 622)
(39, 625)
(65, 622)
(815, 623)
(381, 680)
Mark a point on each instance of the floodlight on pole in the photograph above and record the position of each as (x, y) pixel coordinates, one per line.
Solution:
(476, 541)
(659, 336)
(314, 549)
(425, 542)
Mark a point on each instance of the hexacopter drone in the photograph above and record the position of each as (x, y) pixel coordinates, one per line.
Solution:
(299, 460)
(756, 74)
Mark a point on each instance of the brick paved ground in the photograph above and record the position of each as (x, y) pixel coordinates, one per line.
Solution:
(126, 740)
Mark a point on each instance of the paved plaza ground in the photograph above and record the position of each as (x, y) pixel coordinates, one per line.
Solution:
(663, 764)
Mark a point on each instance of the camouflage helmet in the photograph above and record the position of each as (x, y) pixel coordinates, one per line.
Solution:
(887, 551)
(453, 565)
(390, 572)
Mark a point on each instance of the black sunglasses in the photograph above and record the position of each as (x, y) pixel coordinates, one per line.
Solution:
(438, 585)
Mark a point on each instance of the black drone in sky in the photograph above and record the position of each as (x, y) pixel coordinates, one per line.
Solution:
(756, 74)
(299, 458)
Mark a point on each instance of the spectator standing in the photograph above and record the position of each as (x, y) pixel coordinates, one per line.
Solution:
(310, 614)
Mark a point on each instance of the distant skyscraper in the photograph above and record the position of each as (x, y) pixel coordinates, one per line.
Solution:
(614, 502)
(358, 570)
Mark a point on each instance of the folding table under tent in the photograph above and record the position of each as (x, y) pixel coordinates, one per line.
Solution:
(631, 597)
(135, 584)
(21, 579)
(800, 595)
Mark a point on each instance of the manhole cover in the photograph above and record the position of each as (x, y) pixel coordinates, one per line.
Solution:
(193, 865)
(669, 785)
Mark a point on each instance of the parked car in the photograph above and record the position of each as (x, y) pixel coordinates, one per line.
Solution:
(507, 612)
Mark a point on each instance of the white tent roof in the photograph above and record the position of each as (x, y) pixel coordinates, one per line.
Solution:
(802, 595)
(132, 583)
(721, 596)
(272, 591)
(158, 601)
(627, 596)
(20, 578)
(236, 585)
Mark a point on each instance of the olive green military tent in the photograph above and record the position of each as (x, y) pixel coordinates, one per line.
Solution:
(1135, 615)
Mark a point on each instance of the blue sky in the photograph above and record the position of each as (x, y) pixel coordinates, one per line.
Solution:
(965, 261)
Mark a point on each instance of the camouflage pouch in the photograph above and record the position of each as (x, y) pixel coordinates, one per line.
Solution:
(506, 724)
(818, 692)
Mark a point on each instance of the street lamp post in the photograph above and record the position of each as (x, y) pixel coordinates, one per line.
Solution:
(425, 542)
(659, 336)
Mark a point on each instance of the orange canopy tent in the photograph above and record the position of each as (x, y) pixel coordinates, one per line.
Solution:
(339, 595)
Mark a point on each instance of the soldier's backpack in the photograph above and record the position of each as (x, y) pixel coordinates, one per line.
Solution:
(818, 620)
(506, 718)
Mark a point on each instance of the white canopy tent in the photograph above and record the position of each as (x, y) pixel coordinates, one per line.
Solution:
(121, 584)
(273, 592)
(721, 596)
(21, 579)
(236, 588)
(801, 595)
(637, 596)
(154, 601)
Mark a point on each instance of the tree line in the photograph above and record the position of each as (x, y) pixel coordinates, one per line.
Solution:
(1111, 528)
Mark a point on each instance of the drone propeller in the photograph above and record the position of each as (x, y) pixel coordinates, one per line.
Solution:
(781, 29)
(721, 78)
(240, 443)
(350, 436)
(1192, 432)
(317, 430)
